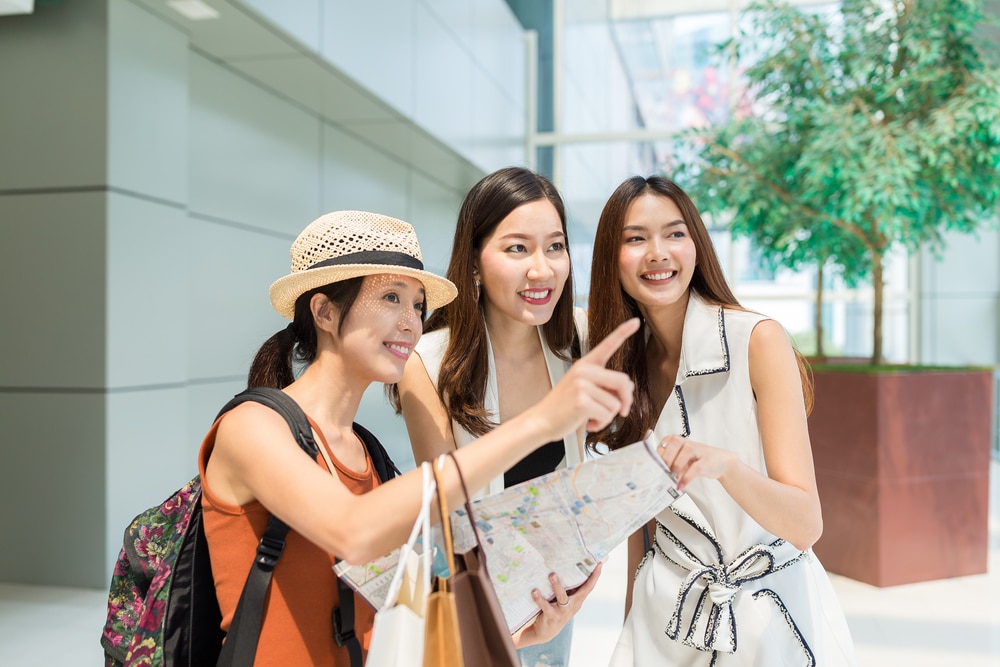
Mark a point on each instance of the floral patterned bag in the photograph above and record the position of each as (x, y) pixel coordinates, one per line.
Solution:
(162, 609)
(154, 587)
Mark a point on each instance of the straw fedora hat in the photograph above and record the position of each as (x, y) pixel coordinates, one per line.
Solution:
(349, 244)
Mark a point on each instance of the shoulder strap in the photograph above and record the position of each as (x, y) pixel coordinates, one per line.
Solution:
(343, 616)
(384, 466)
(240, 647)
(285, 406)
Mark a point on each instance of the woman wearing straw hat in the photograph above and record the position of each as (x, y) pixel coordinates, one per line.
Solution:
(502, 343)
(356, 297)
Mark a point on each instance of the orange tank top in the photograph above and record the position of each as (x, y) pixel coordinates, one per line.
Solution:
(297, 626)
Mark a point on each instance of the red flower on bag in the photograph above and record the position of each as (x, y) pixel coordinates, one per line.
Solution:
(160, 578)
(114, 607)
(121, 567)
(138, 604)
(178, 503)
(153, 617)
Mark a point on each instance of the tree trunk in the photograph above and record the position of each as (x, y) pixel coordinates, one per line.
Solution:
(819, 309)
(877, 288)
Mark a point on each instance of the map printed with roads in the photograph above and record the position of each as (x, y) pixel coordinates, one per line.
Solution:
(563, 522)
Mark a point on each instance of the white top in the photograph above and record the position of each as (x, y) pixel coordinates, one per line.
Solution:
(717, 588)
(432, 346)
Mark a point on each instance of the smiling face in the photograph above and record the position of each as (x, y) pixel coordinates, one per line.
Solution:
(657, 256)
(524, 264)
(383, 325)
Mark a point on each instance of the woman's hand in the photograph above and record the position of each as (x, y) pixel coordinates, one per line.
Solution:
(688, 459)
(557, 613)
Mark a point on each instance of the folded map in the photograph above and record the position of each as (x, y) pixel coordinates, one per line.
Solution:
(564, 522)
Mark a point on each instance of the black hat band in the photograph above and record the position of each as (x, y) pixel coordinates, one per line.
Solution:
(386, 257)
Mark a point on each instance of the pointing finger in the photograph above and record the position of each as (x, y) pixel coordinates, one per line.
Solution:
(601, 353)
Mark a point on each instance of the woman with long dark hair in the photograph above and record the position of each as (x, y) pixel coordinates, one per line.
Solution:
(356, 298)
(498, 348)
(725, 575)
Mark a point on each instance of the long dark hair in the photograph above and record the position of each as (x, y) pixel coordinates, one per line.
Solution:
(462, 379)
(274, 363)
(610, 305)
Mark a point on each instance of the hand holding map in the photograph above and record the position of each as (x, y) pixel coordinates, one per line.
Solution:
(564, 522)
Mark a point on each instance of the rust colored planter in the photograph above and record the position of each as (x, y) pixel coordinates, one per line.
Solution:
(902, 464)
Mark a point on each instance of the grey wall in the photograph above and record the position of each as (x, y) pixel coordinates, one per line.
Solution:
(150, 187)
(53, 221)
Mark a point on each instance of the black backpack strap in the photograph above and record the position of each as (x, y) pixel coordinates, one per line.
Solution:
(285, 406)
(384, 466)
(343, 616)
(240, 647)
(343, 622)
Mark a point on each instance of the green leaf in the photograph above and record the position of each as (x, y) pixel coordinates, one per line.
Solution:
(870, 127)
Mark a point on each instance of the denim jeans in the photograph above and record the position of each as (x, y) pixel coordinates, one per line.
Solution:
(553, 653)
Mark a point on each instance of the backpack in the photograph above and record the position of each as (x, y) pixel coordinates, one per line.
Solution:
(162, 608)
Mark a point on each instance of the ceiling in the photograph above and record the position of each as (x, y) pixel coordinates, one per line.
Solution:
(16, 7)
(246, 42)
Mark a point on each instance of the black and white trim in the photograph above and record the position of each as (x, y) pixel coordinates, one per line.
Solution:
(703, 616)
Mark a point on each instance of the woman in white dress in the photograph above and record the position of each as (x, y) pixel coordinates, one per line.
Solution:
(728, 576)
(508, 337)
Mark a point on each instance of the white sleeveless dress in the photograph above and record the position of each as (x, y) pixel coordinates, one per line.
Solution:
(431, 348)
(716, 589)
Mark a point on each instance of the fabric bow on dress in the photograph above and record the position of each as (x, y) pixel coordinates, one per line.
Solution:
(704, 616)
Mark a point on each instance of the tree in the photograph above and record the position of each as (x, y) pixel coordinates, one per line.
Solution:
(873, 126)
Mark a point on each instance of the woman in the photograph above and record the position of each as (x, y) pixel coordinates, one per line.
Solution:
(356, 296)
(503, 343)
(729, 578)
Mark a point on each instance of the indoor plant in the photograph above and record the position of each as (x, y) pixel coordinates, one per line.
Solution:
(872, 127)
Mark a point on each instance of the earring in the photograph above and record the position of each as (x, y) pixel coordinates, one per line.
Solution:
(476, 284)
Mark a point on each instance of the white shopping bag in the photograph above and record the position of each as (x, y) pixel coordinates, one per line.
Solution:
(398, 633)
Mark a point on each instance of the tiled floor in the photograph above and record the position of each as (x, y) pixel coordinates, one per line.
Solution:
(953, 622)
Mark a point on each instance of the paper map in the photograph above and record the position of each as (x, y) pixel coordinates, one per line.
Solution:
(564, 522)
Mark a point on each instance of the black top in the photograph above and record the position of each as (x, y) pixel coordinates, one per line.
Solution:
(543, 460)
